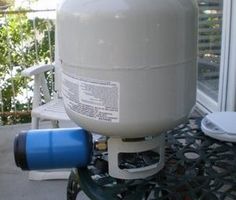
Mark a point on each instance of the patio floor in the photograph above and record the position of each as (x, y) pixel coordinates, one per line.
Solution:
(14, 183)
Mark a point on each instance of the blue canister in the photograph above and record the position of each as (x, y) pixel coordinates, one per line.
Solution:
(53, 149)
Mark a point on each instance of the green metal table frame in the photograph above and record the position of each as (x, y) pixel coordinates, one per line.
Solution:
(196, 168)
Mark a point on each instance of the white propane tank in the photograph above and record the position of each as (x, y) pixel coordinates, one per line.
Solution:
(129, 66)
(129, 72)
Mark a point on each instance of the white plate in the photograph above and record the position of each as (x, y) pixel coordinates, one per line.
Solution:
(220, 125)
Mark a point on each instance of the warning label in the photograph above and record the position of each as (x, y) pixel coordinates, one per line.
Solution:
(95, 99)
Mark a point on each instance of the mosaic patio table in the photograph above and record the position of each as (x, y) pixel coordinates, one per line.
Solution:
(196, 168)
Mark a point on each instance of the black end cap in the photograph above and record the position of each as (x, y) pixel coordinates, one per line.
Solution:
(20, 151)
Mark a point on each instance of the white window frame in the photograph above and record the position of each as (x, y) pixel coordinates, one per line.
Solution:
(230, 101)
(227, 78)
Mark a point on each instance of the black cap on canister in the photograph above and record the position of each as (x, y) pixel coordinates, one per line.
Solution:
(20, 151)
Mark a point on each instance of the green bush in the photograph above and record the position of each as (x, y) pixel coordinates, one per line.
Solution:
(17, 52)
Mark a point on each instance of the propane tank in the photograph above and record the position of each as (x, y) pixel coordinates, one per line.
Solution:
(128, 67)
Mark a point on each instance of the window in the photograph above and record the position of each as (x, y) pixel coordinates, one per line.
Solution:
(209, 44)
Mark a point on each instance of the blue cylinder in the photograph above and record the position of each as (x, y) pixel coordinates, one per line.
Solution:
(53, 149)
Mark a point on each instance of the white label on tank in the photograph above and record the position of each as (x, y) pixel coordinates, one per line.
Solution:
(92, 98)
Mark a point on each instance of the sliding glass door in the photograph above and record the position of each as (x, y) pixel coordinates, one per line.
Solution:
(212, 50)
(209, 43)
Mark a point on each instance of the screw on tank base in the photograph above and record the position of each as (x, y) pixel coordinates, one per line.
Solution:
(136, 158)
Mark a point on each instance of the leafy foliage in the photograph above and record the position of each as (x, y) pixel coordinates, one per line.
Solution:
(18, 51)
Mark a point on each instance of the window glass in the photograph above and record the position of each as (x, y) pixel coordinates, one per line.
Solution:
(209, 46)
